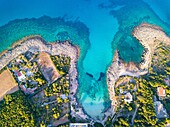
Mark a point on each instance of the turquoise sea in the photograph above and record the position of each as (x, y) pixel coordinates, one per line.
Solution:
(98, 27)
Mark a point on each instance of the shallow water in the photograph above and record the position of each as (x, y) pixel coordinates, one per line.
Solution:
(108, 31)
(102, 27)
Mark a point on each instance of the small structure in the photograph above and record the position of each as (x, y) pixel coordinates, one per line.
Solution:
(47, 67)
(128, 97)
(29, 73)
(27, 90)
(19, 61)
(78, 124)
(28, 55)
(161, 92)
(121, 91)
(63, 96)
(20, 76)
(33, 82)
(160, 110)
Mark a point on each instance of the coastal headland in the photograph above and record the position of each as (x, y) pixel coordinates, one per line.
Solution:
(150, 36)
(38, 44)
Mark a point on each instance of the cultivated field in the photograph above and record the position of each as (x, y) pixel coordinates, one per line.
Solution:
(7, 83)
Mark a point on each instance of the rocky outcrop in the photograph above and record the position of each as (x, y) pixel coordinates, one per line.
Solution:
(149, 36)
(119, 68)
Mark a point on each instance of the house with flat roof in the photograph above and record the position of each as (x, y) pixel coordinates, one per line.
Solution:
(78, 124)
(161, 92)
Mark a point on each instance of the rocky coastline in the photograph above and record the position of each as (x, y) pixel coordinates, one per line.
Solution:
(119, 68)
(37, 44)
(149, 36)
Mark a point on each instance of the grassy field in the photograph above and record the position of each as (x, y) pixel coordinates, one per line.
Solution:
(7, 83)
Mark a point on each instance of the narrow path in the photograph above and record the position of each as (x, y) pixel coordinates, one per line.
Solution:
(132, 121)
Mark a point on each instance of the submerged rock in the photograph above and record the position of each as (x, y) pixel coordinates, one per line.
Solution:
(89, 74)
(101, 75)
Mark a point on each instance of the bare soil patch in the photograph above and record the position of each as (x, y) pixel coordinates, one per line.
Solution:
(7, 84)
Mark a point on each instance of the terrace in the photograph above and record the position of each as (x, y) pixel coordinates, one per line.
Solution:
(47, 67)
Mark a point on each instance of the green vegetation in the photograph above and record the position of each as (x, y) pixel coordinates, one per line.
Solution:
(146, 115)
(62, 63)
(160, 67)
(3, 69)
(60, 86)
(16, 110)
(108, 123)
(98, 124)
(59, 90)
(125, 84)
(121, 122)
(64, 125)
(144, 91)
(29, 68)
(47, 105)
(54, 98)
(54, 93)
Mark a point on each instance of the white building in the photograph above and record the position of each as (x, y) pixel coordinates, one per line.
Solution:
(128, 97)
(121, 90)
(29, 73)
(78, 124)
(21, 76)
(63, 96)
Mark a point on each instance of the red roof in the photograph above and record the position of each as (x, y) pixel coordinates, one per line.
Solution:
(19, 74)
(161, 91)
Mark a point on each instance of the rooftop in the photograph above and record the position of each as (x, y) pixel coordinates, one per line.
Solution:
(128, 97)
(161, 92)
(78, 124)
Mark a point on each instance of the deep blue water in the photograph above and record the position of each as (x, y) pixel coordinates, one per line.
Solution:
(108, 31)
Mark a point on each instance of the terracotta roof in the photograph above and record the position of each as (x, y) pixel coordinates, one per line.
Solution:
(161, 91)
(19, 74)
